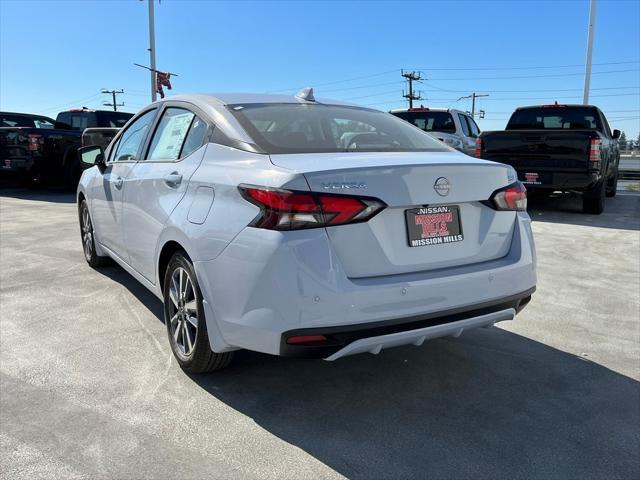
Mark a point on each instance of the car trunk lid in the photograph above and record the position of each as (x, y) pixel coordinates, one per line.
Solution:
(405, 182)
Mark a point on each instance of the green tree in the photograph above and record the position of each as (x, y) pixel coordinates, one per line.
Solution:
(622, 141)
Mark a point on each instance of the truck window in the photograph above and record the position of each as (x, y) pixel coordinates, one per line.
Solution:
(555, 118)
(475, 131)
(429, 121)
(79, 121)
(9, 120)
(463, 123)
(112, 119)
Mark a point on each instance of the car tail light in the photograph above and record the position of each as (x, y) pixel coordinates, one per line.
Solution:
(595, 154)
(512, 197)
(478, 150)
(34, 142)
(306, 339)
(290, 210)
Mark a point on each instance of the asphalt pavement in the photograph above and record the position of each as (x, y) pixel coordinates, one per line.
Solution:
(89, 388)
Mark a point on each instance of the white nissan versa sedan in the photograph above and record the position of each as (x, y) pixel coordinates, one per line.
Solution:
(303, 227)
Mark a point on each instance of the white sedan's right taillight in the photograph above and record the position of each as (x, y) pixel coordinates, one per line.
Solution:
(512, 197)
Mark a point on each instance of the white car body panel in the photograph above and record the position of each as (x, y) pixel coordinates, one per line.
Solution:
(258, 284)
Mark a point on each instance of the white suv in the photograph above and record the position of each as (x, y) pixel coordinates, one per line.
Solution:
(294, 226)
(453, 127)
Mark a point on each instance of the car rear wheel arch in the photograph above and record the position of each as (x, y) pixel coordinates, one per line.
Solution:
(168, 250)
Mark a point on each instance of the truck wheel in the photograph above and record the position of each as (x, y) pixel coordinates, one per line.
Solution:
(612, 186)
(593, 199)
(88, 239)
(185, 321)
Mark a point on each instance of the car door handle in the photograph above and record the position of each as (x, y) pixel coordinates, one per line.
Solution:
(118, 182)
(173, 180)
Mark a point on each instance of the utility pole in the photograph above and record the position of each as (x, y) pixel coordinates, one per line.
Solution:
(411, 77)
(152, 51)
(473, 97)
(113, 95)
(587, 71)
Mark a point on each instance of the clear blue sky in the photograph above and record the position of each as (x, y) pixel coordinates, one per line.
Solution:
(56, 55)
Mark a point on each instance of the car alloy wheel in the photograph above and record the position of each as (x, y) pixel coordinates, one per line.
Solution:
(87, 233)
(183, 312)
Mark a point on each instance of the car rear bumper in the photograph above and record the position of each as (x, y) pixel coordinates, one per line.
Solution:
(16, 166)
(266, 285)
(558, 181)
(373, 337)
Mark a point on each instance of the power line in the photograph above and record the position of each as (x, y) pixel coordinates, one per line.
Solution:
(372, 95)
(528, 68)
(338, 81)
(530, 90)
(113, 94)
(473, 97)
(74, 102)
(410, 95)
(536, 76)
(445, 69)
(362, 86)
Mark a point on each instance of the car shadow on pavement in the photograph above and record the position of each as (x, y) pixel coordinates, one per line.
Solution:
(491, 404)
(621, 212)
(56, 195)
(144, 296)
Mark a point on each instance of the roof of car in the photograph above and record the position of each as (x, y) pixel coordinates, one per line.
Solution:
(214, 104)
(424, 109)
(19, 114)
(221, 99)
(557, 105)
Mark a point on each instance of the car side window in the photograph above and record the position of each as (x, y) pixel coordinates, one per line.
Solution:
(133, 137)
(463, 124)
(475, 131)
(606, 126)
(195, 137)
(170, 135)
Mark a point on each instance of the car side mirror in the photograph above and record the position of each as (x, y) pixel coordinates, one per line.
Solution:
(616, 134)
(92, 155)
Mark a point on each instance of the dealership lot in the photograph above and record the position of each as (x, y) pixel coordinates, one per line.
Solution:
(89, 387)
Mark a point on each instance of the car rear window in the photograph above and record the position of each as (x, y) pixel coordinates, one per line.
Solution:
(429, 121)
(25, 121)
(113, 119)
(555, 118)
(315, 128)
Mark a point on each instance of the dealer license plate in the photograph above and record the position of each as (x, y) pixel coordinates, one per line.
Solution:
(434, 225)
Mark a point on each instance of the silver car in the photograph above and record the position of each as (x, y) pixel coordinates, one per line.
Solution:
(453, 127)
(302, 227)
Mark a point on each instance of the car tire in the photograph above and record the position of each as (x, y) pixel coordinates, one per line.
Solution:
(593, 199)
(88, 238)
(612, 186)
(185, 319)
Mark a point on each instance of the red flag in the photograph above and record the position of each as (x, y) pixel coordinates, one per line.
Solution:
(162, 79)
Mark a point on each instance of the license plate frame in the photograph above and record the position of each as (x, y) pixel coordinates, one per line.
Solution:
(433, 225)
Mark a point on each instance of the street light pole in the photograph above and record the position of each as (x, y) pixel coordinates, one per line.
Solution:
(152, 51)
(587, 72)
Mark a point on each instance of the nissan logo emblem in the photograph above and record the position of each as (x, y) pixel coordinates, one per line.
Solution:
(442, 186)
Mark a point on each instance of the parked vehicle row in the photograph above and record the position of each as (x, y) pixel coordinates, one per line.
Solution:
(302, 227)
(40, 150)
(552, 147)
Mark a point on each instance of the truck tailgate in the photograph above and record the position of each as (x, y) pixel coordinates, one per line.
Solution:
(539, 150)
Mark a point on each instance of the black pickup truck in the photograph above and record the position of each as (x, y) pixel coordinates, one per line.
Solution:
(559, 147)
(38, 150)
